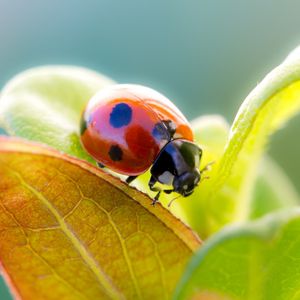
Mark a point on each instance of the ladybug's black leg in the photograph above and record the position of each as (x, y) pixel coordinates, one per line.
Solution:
(151, 184)
(129, 179)
(168, 191)
(154, 188)
(156, 198)
(100, 165)
(170, 203)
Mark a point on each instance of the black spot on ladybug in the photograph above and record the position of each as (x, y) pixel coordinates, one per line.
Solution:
(164, 130)
(115, 153)
(121, 115)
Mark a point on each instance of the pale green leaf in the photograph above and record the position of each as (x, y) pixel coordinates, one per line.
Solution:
(273, 102)
(45, 104)
(259, 260)
(273, 190)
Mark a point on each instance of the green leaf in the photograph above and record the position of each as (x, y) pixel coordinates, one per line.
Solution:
(273, 102)
(44, 104)
(273, 190)
(259, 260)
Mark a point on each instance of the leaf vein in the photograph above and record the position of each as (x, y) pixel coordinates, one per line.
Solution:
(104, 281)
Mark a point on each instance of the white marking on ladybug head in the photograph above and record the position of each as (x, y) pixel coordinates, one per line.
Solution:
(185, 187)
(196, 180)
(166, 178)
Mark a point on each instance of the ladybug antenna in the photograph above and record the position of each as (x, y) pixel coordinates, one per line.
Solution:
(170, 203)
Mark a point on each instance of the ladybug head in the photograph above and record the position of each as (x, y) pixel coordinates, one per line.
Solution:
(178, 165)
(186, 182)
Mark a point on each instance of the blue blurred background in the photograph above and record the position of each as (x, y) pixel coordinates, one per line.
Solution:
(204, 55)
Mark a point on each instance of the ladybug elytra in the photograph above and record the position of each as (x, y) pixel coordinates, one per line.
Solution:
(131, 128)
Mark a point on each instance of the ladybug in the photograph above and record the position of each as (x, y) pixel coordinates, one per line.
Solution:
(131, 128)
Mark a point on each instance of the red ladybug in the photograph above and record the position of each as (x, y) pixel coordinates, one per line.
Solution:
(130, 128)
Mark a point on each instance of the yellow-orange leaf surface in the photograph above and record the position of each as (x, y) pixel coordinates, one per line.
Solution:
(70, 231)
